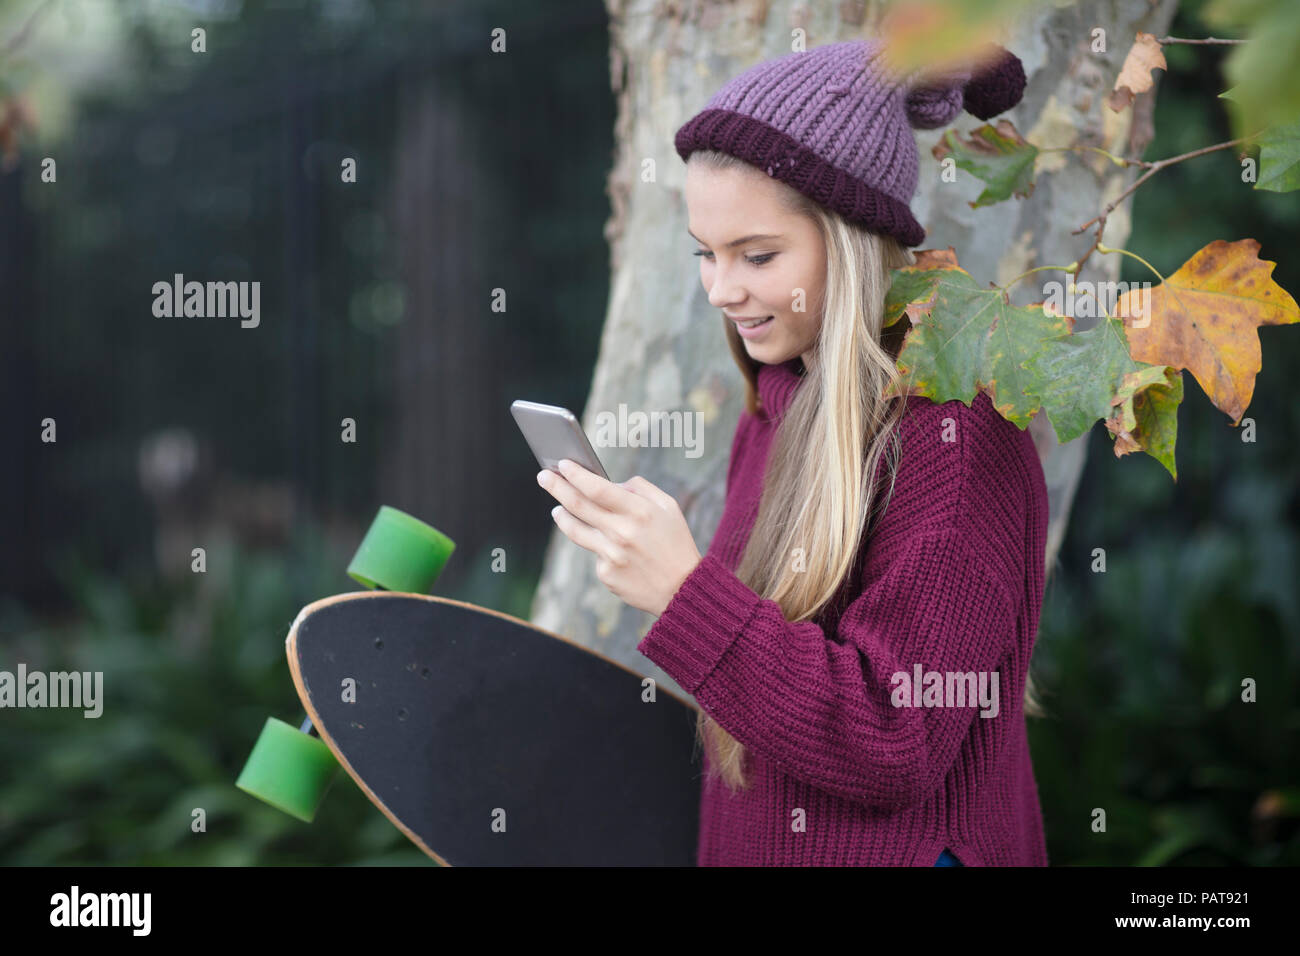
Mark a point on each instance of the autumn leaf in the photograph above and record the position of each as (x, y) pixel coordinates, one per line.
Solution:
(1205, 318)
(1078, 374)
(1135, 75)
(998, 155)
(966, 339)
(937, 35)
(914, 284)
(1145, 415)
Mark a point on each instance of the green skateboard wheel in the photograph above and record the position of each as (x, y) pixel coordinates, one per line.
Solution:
(288, 769)
(400, 553)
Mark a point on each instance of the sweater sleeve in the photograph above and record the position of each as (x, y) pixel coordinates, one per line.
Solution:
(820, 705)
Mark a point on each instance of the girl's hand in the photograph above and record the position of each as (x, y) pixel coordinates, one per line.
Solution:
(637, 532)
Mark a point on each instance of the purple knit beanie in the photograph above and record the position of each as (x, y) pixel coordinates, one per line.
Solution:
(833, 124)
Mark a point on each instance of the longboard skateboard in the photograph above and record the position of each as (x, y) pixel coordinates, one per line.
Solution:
(489, 741)
(292, 769)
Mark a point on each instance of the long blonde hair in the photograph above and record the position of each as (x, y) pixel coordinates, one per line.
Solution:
(818, 494)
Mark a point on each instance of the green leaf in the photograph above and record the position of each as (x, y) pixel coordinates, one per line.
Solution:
(1279, 158)
(910, 286)
(1279, 153)
(966, 339)
(1079, 373)
(1146, 414)
(997, 155)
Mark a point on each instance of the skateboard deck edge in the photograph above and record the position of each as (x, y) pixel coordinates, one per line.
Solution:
(362, 595)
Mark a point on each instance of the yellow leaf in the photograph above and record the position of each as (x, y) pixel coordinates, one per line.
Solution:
(1205, 318)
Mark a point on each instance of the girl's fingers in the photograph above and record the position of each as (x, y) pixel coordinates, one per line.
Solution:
(579, 532)
(574, 502)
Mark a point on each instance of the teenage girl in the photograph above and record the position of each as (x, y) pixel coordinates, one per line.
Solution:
(857, 636)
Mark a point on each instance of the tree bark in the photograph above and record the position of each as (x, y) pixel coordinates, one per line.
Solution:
(662, 348)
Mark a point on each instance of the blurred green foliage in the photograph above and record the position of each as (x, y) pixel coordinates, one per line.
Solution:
(191, 670)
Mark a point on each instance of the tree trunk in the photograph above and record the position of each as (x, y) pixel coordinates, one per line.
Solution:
(662, 348)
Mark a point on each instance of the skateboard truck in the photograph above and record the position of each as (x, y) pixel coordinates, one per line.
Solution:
(292, 768)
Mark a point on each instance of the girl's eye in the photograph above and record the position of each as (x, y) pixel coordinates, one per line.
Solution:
(756, 261)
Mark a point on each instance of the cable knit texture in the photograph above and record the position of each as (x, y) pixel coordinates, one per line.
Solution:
(950, 579)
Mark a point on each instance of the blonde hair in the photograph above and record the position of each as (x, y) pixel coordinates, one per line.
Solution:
(818, 494)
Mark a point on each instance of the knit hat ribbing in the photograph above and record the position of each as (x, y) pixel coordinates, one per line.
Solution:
(834, 124)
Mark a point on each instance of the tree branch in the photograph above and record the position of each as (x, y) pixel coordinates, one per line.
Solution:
(1154, 168)
(1206, 40)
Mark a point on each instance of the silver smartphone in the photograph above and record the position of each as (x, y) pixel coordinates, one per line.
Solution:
(554, 433)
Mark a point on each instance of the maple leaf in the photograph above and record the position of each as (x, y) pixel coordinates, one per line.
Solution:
(1205, 318)
(913, 284)
(1079, 373)
(1145, 417)
(1135, 75)
(966, 339)
(998, 155)
(1279, 158)
(1279, 152)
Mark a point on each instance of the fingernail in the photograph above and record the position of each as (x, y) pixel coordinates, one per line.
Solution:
(565, 464)
(543, 477)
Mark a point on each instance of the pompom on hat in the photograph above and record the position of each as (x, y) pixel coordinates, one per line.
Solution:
(835, 124)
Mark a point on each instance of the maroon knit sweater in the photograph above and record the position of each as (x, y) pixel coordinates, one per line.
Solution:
(950, 579)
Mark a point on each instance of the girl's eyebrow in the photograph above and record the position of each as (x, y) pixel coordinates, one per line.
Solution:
(735, 242)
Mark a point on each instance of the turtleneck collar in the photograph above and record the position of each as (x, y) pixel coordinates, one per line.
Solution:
(777, 385)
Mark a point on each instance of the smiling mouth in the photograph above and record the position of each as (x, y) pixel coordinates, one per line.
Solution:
(754, 323)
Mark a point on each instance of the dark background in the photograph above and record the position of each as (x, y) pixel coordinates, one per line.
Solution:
(479, 172)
